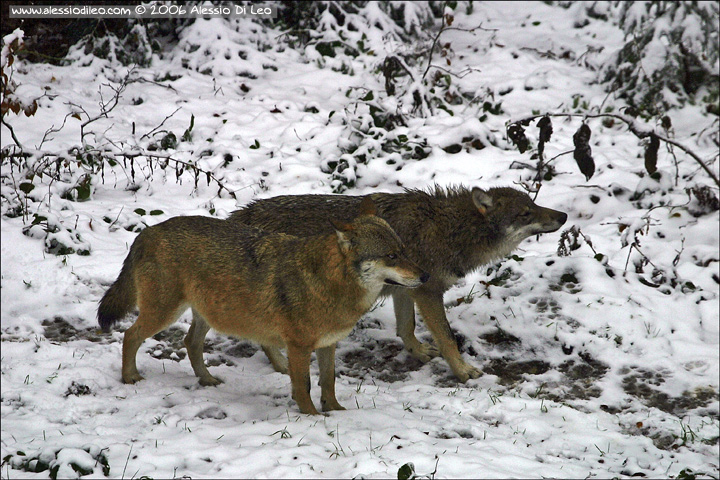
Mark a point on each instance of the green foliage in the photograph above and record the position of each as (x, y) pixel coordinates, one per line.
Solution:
(377, 122)
(81, 191)
(47, 461)
(71, 173)
(327, 49)
(685, 33)
(338, 27)
(26, 187)
(128, 41)
(689, 474)
(406, 472)
(704, 200)
(169, 141)
(57, 238)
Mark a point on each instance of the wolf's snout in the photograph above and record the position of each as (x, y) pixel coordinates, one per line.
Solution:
(424, 277)
(551, 222)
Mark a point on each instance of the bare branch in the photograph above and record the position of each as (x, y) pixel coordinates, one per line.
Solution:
(467, 71)
(188, 165)
(147, 135)
(109, 106)
(12, 133)
(637, 130)
(52, 130)
(444, 28)
(145, 80)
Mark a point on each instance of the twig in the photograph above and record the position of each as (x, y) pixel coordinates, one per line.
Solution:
(197, 170)
(12, 133)
(645, 257)
(559, 155)
(399, 61)
(52, 130)
(106, 107)
(118, 216)
(145, 80)
(444, 28)
(434, 43)
(467, 71)
(127, 460)
(147, 135)
(636, 130)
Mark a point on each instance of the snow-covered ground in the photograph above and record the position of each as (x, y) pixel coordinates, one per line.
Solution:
(591, 369)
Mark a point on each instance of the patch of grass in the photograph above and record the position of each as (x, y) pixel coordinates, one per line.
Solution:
(338, 447)
(283, 433)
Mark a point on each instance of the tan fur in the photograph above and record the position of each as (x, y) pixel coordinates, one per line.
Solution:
(448, 232)
(301, 294)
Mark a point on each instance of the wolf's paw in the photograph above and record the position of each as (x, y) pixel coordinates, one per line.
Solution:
(331, 405)
(311, 410)
(466, 372)
(132, 378)
(424, 352)
(210, 381)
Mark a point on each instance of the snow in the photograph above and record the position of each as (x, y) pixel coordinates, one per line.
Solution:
(588, 371)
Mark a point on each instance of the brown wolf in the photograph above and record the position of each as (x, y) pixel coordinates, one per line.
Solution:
(448, 232)
(278, 290)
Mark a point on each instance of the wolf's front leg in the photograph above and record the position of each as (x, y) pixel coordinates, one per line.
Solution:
(433, 313)
(299, 368)
(326, 361)
(404, 307)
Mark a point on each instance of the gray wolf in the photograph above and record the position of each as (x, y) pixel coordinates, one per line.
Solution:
(279, 290)
(448, 232)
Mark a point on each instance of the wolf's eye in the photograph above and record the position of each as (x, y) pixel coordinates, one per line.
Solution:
(391, 256)
(525, 214)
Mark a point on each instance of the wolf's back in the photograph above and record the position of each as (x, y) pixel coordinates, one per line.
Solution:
(300, 215)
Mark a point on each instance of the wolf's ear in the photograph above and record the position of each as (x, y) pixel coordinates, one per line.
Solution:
(367, 207)
(483, 202)
(343, 230)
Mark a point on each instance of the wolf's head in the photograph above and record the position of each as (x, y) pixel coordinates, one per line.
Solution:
(377, 252)
(515, 215)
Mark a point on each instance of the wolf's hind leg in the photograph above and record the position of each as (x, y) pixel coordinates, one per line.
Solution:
(278, 360)
(149, 322)
(194, 342)
(131, 343)
(326, 361)
(405, 317)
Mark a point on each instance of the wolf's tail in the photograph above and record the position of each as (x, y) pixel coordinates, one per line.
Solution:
(121, 296)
